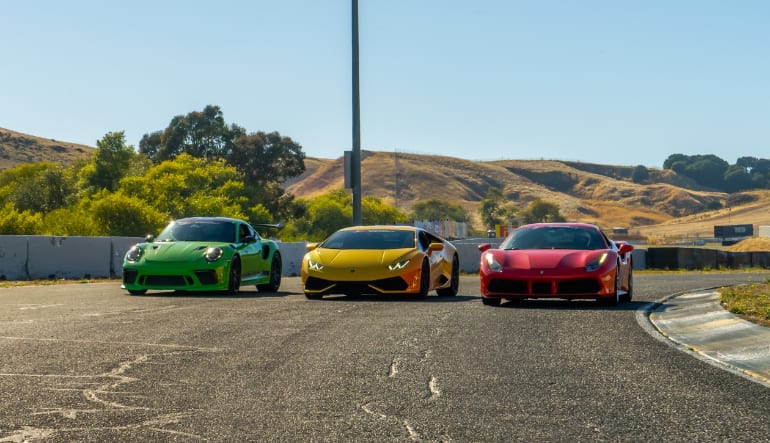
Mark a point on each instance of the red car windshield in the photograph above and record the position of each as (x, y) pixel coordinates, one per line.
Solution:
(554, 237)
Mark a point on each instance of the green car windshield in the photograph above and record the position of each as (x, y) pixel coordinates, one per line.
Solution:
(205, 231)
(370, 239)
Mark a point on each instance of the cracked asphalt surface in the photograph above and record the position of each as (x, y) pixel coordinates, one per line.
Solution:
(88, 363)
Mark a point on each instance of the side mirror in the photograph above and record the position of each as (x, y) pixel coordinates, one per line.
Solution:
(484, 246)
(624, 248)
(149, 238)
(435, 246)
(311, 246)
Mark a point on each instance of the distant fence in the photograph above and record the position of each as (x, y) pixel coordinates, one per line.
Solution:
(700, 258)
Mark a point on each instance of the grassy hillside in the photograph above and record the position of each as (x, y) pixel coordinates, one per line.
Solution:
(17, 148)
(666, 206)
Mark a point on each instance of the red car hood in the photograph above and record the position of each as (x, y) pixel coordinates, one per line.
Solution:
(546, 258)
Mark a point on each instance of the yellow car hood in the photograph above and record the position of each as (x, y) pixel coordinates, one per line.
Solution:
(345, 258)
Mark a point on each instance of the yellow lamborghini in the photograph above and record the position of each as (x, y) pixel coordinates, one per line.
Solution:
(384, 259)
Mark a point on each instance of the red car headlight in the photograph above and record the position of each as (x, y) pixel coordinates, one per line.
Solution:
(596, 263)
(493, 264)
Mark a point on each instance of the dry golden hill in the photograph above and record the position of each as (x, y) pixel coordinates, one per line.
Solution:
(665, 204)
(17, 149)
(754, 244)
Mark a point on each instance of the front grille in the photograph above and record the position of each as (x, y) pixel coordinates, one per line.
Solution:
(316, 284)
(165, 280)
(390, 284)
(129, 275)
(393, 284)
(509, 286)
(206, 277)
(585, 286)
(541, 287)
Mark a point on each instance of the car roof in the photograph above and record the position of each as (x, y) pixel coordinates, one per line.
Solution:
(221, 219)
(381, 227)
(563, 224)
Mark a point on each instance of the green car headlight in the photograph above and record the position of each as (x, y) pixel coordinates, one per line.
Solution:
(213, 254)
(314, 265)
(134, 253)
(596, 263)
(398, 266)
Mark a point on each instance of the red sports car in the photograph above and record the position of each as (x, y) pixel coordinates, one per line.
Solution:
(557, 260)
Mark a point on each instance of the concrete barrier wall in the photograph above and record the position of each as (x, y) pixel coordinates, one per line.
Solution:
(13, 257)
(699, 258)
(42, 257)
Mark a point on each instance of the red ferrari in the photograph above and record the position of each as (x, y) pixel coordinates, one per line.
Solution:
(557, 260)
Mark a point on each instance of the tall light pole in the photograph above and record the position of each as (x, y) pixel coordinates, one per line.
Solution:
(355, 170)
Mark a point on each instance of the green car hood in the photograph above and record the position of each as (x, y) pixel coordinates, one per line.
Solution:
(179, 251)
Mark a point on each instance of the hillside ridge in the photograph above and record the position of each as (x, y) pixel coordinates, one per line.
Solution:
(664, 205)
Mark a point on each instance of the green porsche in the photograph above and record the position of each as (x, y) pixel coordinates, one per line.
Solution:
(204, 254)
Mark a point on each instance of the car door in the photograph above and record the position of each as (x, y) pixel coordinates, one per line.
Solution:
(250, 248)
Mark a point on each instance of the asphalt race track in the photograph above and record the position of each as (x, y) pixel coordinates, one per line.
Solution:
(90, 363)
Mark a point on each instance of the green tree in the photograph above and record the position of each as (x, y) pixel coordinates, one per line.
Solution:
(706, 170)
(37, 187)
(540, 211)
(109, 163)
(438, 209)
(15, 222)
(640, 174)
(266, 157)
(202, 134)
(736, 178)
(334, 210)
(189, 186)
(121, 215)
(495, 210)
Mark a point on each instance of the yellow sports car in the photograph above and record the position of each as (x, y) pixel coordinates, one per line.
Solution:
(381, 260)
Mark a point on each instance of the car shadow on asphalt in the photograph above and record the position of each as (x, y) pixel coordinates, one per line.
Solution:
(560, 304)
(224, 295)
(397, 298)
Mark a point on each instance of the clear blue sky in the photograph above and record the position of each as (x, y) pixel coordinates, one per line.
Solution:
(612, 82)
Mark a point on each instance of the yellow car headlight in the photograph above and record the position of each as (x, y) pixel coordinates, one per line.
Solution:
(398, 266)
(314, 265)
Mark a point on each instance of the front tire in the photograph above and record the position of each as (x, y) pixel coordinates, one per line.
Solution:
(310, 296)
(234, 279)
(454, 279)
(137, 291)
(276, 270)
(630, 291)
(490, 301)
(424, 279)
(614, 300)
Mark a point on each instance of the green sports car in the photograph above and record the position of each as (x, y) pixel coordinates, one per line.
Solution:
(204, 254)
